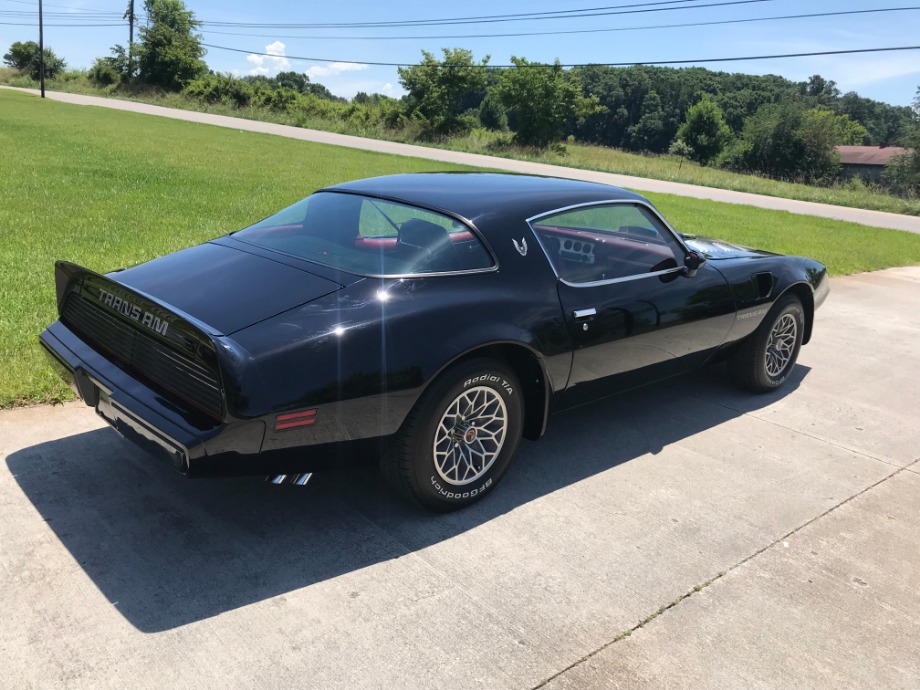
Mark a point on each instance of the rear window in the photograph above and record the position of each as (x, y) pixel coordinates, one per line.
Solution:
(370, 236)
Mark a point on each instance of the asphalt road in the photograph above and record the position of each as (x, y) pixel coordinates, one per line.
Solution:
(875, 218)
(780, 530)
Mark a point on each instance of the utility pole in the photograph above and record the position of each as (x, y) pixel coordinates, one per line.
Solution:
(41, 48)
(130, 16)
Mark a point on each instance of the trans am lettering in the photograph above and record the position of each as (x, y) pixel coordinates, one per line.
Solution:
(752, 314)
(132, 311)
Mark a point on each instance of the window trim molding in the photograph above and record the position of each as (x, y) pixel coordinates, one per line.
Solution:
(608, 202)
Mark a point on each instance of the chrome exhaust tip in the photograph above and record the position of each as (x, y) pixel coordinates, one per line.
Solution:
(295, 479)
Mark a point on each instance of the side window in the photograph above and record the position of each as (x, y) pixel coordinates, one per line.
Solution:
(606, 242)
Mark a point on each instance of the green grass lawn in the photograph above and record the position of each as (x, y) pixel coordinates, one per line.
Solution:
(604, 159)
(109, 189)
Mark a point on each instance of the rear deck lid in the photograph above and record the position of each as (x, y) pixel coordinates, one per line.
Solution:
(225, 288)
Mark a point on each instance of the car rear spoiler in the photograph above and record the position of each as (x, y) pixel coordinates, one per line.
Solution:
(150, 311)
(147, 338)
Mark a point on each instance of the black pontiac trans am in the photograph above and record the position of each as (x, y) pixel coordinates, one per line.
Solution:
(445, 314)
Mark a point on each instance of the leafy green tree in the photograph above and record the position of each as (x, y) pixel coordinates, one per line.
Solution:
(21, 55)
(545, 100)
(440, 90)
(903, 173)
(292, 80)
(27, 59)
(849, 132)
(787, 141)
(821, 91)
(840, 128)
(651, 132)
(681, 149)
(169, 54)
(492, 113)
(634, 119)
(704, 131)
(886, 124)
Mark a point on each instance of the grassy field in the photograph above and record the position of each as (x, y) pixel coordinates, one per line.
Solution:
(658, 167)
(673, 169)
(108, 189)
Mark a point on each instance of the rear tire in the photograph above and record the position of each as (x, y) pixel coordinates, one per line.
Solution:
(460, 437)
(768, 356)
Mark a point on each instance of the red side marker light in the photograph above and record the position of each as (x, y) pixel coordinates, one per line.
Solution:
(295, 419)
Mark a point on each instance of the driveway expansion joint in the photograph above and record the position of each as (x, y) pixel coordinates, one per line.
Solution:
(700, 587)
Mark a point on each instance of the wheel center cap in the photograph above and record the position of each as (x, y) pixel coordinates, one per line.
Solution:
(470, 435)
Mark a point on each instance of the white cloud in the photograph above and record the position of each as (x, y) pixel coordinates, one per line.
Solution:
(333, 69)
(271, 64)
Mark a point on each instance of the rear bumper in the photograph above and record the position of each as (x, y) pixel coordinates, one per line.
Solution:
(191, 442)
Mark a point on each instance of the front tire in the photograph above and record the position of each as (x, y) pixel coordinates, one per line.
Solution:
(460, 437)
(767, 357)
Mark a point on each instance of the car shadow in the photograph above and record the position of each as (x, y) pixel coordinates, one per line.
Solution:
(167, 551)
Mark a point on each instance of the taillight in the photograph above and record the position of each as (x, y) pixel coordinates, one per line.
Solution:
(295, 419)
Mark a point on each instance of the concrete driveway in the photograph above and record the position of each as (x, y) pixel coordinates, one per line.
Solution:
(685, 536)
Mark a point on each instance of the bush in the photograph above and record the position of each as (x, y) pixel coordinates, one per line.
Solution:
(220, 88)
(103, 73)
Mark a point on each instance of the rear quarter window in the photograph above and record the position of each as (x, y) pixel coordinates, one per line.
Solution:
(371, 236)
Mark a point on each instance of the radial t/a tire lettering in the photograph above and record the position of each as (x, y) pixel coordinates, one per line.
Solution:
(460, 437)
(765, 360)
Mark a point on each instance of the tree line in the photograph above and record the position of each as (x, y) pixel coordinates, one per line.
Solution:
(766, 125)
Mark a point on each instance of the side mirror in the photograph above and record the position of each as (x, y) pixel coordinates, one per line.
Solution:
(692, 263)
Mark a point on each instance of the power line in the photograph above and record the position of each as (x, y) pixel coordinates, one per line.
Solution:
(60, 15)
(589, 64)
(577, 31)
(72, 26)
(31, 3)
(520, 16)
(586, 13)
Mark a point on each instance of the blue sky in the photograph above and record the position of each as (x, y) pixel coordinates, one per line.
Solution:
(890, 77)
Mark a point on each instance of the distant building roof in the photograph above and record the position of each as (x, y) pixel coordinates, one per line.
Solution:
(868, 155)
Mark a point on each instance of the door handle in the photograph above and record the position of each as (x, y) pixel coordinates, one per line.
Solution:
(585, 313)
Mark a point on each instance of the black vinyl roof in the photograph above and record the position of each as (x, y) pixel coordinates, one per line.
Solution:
(487, 199)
